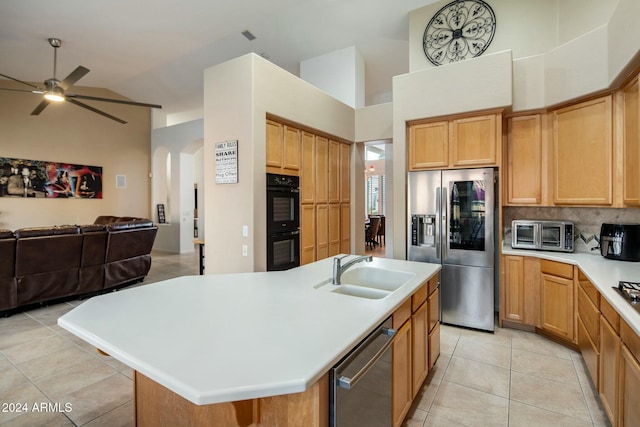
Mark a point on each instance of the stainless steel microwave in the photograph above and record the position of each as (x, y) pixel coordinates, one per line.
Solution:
(542, 235)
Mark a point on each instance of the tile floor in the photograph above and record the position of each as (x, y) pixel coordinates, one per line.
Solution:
(509, 378)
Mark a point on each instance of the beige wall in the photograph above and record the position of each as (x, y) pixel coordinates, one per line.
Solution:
(67, 133)
(238, 95)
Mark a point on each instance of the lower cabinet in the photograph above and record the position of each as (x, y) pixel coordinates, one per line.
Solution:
(556, 299)
(608, 378)
(416, 347)
(629, 378)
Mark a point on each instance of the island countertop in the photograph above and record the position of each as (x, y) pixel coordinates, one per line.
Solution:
(602, 272)
(229, 337)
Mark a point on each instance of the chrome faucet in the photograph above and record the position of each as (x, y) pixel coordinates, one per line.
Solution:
(338, 268)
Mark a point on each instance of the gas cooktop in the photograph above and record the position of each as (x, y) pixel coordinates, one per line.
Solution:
(630, 292)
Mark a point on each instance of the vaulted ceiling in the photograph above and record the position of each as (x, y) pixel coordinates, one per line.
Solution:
(155, 51)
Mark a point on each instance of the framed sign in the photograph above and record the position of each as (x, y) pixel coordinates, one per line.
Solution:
(227, 162)
(161, 217)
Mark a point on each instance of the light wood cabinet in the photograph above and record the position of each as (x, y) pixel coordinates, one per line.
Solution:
(475, 140)
(608, 375)
(345, 227)
(589, 330)
(631, 147)
(345, 174)
(524, 161)
(556, 299)
(282, 148)
(275, 135)
(429, 145)
(322, 170)
(514, 288)
(308, 168)
(401, 374)
(629, 377)
(334, 229)
(307, 234)
(419, 348)
(455, 142)
(334, 172)
(322, 231)
(582, 153)
(433, 314)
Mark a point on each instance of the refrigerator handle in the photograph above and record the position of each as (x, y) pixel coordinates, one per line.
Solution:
(444, 230)
(437, 224)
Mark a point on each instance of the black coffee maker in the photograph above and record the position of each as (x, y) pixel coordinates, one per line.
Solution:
(620, 241)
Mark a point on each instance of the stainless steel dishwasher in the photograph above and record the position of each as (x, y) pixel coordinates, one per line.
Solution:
(360, 393)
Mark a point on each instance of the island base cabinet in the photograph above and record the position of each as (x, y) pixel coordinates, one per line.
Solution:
(629, 389)
(401, 375)
(156, 405)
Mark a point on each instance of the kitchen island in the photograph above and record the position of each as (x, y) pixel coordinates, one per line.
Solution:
(237, 347)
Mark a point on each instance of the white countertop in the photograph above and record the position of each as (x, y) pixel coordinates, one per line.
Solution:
(602, 272)
(220, 338)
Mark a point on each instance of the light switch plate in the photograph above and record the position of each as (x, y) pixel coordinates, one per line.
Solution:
(245, 231)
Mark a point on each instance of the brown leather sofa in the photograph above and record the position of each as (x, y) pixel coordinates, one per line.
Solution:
(43, 264)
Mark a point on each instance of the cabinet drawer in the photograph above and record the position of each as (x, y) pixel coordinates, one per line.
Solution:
(589, 315)
(610, 314)
(433, 283)
(402, 314)
(630, 338)
(589, 289)
(556, 268)
(419, 297)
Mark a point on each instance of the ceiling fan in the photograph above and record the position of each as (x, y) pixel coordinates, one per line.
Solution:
(56, 90)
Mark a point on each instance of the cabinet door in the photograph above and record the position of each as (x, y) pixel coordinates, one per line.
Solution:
(334, 172)
(434, 309)
(608, 376)
(514, 288)
(590, 352)
(434, 345)
(582, 153)
(345, 228)
(629, 411)
(345, 175)
(429, 145)
(524, 160)
(474, 140)
(401, 374)
(419, 348)
(556, 314)
(631, 155)
(274, 144)
(322, 169)
(291, 148)
(334, 229)
(307, 234)
(322, 232)
(308, 168)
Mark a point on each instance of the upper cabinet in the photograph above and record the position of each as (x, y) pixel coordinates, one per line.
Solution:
(631, 155)
(465, 141)
(283, 148)
(582, 153)
(524, 160)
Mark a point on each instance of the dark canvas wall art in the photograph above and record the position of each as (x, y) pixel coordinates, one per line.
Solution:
(46, 179)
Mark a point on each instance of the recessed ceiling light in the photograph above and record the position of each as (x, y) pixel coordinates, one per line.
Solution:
(248, 35)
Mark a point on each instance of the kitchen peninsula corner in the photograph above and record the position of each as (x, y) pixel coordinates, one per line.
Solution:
(238, 349)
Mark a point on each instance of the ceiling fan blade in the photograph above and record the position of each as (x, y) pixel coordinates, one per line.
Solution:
(39, 92)
(40, 107)
(117, 101)
(75, 75)
(95, 110)
(19, 81)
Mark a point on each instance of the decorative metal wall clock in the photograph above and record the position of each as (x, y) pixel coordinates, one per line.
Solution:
(462, 29)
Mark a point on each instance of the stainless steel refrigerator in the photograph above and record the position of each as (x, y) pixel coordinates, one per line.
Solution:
(452, 220)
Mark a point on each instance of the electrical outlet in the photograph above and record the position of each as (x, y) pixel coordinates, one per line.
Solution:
(245, 250)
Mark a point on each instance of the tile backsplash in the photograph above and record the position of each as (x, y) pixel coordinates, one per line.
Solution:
(586, 220)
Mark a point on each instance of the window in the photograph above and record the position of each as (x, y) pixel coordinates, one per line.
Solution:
(375, 181)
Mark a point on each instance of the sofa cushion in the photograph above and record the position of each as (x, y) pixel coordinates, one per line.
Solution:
(6, 234)
(46, 231)
(128, 225)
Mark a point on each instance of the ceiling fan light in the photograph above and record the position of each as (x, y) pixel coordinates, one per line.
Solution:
(53, 96)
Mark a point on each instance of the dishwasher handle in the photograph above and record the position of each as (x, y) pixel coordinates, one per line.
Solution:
(349, 383)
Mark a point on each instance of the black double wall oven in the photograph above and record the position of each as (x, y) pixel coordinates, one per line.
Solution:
(283, 222)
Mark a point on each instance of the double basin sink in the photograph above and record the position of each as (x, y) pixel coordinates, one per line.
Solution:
(367, 282)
